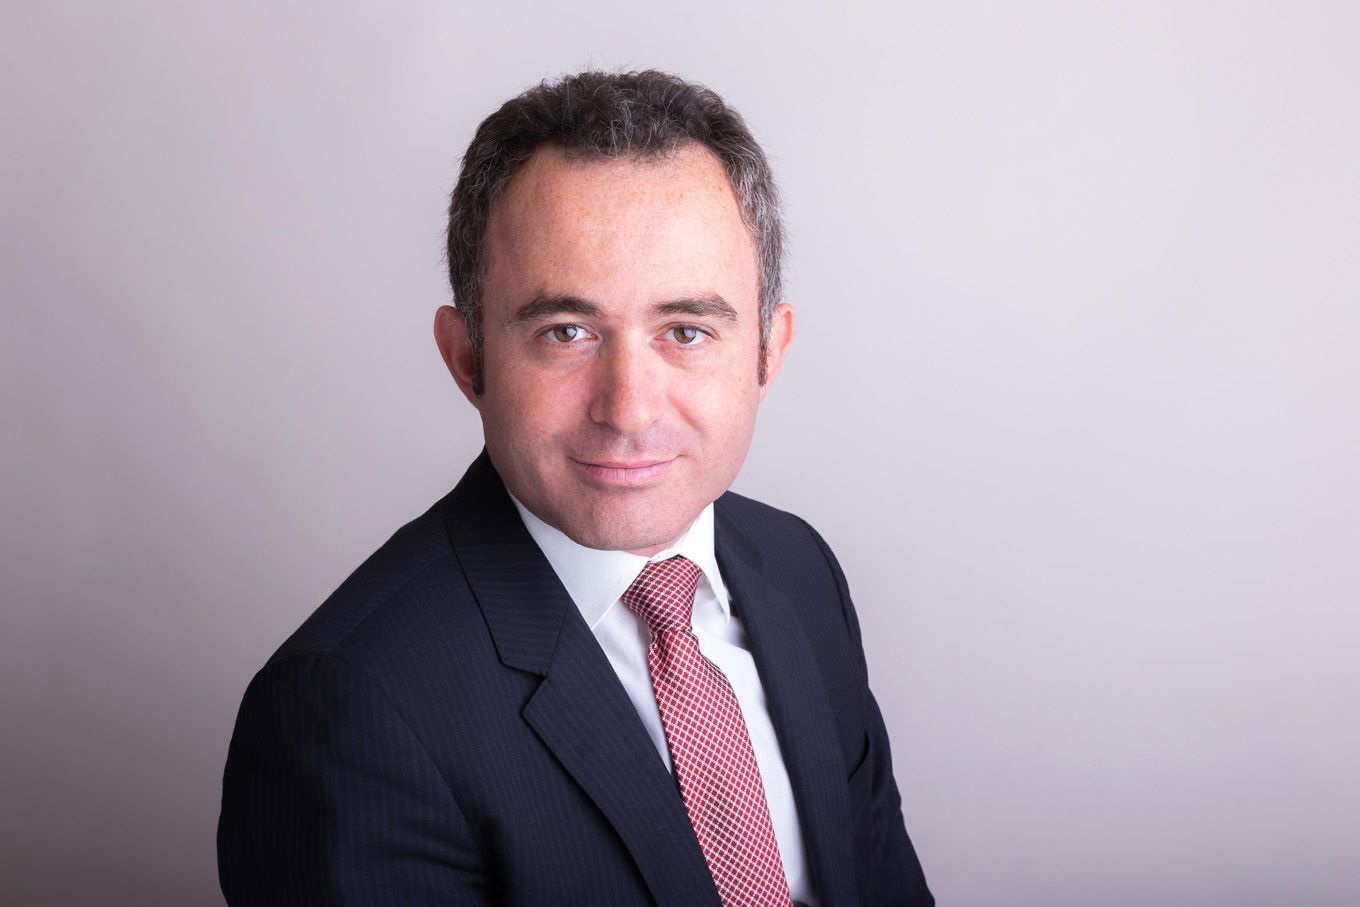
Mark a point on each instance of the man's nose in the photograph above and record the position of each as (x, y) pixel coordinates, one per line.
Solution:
(629, 393)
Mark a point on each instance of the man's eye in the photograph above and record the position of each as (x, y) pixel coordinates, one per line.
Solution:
(567, 333)
(687, 335)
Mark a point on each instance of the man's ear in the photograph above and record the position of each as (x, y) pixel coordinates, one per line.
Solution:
(781, 335)
(450, 333)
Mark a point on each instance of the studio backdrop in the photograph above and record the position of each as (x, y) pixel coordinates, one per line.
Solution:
(1074, 397)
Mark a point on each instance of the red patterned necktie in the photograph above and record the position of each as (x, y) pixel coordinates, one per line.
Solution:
(714, 764)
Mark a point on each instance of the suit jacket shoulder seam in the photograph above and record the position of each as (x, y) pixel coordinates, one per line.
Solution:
(287, 651)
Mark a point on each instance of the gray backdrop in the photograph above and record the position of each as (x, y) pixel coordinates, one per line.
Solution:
(1074, 398)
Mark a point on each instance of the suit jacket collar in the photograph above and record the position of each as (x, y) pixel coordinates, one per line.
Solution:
(582, 714)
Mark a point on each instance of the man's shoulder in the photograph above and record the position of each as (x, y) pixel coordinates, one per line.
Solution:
(402, 570)
(750, 512)
(764, 525)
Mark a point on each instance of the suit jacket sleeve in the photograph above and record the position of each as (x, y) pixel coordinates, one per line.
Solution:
(329, 798)
(888, 868)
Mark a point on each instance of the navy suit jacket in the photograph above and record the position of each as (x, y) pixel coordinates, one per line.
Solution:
(446, 730)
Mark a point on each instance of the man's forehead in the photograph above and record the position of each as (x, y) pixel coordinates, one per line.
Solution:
(656, 228)
(554, 181)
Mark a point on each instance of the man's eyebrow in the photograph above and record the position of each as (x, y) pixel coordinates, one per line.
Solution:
(712, 306)
(547, 306)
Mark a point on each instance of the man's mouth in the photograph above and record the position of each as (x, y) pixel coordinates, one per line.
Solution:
(625, 473)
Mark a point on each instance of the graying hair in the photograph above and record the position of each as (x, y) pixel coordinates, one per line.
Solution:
(602, 116)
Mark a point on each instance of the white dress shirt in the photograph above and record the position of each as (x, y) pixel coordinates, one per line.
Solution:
(596, 580)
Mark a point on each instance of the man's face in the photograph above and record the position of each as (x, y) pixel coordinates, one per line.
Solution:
(621, 325)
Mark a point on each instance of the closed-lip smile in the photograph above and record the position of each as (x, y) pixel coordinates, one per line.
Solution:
(628, 473)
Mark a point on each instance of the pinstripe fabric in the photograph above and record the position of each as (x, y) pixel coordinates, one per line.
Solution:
(446, 730)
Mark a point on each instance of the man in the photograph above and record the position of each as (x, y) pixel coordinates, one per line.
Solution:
(590, 674)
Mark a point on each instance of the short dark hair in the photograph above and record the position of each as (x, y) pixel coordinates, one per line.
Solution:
(596, 115)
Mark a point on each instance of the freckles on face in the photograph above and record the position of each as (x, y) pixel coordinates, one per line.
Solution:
(621, 338)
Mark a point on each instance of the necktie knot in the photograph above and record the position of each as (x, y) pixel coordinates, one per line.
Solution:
(663, 594)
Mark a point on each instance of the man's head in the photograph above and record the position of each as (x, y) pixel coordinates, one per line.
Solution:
(614, 245)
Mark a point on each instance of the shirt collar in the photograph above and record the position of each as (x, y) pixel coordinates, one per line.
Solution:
(596, 580)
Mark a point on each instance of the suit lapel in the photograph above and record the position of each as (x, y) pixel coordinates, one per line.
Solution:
(582, 714)
(580, 710)
(800, 709)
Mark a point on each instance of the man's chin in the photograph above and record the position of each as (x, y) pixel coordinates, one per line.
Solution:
(627, 530)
